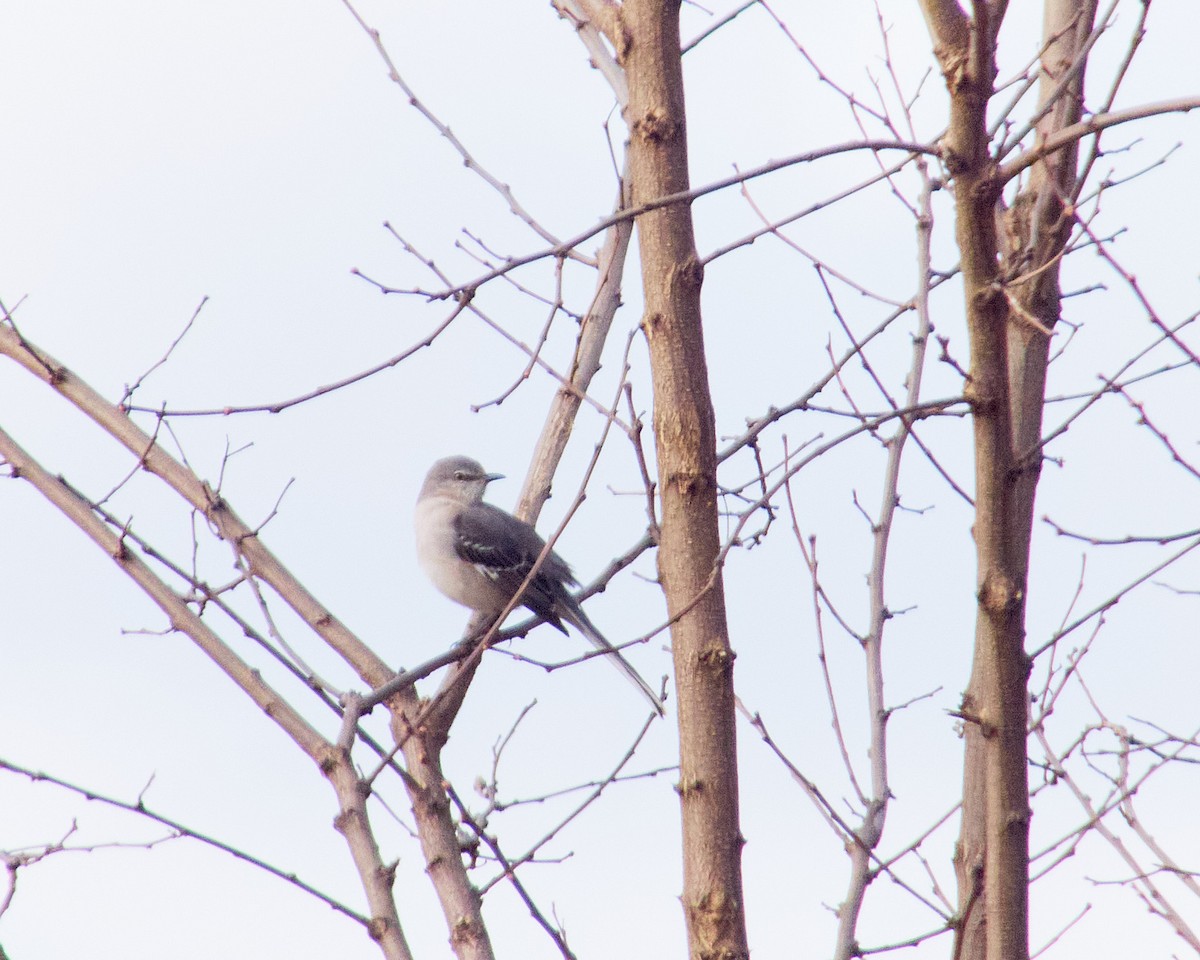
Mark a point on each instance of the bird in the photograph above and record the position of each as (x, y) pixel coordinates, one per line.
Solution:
(478, 555)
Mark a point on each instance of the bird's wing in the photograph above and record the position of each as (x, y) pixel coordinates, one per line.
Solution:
(504, 549)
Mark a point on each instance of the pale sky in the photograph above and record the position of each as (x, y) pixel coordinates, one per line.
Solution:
(157, 154)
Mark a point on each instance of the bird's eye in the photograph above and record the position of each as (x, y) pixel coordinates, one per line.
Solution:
(461, 475)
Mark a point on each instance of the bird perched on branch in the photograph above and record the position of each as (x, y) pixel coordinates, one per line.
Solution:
(479, 556)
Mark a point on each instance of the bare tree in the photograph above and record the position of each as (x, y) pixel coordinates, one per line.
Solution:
(857, 411)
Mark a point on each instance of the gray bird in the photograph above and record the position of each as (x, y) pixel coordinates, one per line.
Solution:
(478, 555)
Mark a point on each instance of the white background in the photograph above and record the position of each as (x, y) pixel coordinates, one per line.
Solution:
(155, 154)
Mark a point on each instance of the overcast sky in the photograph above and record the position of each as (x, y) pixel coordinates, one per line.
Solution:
(247, 154)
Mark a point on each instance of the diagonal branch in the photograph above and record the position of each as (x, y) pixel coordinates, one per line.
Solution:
(154, 459)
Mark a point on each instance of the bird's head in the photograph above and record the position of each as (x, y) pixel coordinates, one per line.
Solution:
(459, 478)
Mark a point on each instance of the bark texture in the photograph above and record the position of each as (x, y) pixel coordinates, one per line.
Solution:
(1010, 266)
(992, 859)
(685, 438)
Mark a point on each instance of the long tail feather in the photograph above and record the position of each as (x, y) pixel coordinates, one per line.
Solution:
(574, 615)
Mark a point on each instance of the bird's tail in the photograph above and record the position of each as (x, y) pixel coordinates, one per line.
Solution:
(575, 616)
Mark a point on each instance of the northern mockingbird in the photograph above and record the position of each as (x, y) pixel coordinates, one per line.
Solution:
(479, 556)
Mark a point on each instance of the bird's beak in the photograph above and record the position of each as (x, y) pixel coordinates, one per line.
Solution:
(489, 477)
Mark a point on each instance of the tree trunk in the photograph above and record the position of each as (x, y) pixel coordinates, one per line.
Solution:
(992, 859)
(1013, 302)
(685, 440)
